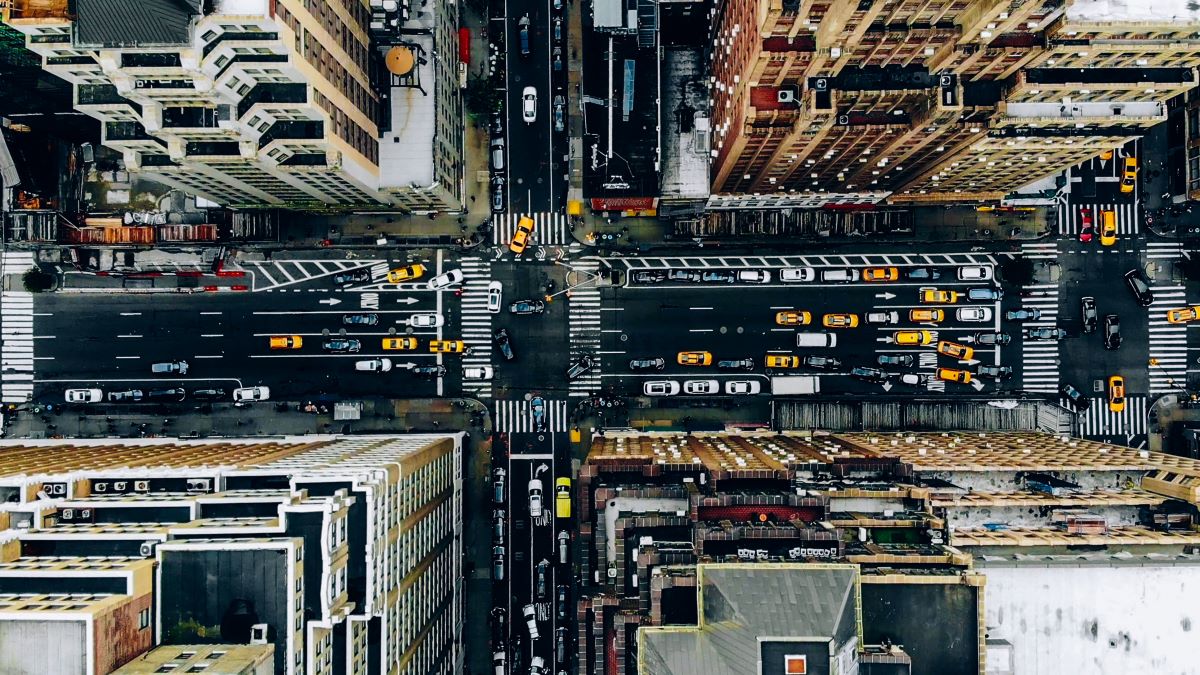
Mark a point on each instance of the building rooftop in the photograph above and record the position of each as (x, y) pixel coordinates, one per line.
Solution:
(406, 148)
(1134, 11)
(120, 23)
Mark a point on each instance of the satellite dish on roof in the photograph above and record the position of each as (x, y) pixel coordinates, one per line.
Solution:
(399, 60)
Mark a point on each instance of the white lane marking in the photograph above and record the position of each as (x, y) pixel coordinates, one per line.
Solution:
(128, 357)
(131, 313)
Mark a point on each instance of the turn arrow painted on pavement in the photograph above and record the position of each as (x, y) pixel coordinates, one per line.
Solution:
(885, 296)
(330, 301)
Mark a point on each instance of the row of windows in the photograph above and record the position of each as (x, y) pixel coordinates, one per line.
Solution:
(348, 130)
(334, 71)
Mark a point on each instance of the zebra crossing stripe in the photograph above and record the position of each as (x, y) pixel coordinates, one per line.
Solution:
(584, 328)
(476, 323)
(517, 417)
(1070, 219)
(16, 263)
(16, 357)
(1099, 421)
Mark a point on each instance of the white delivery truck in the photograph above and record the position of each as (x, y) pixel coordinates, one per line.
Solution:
(796, 385)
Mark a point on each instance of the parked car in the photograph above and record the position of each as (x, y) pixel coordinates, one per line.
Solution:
(683, 275)
(726, 277)
(126, 396)
(451, 278)
(173, 394)
(525, 307)
(996, 372)
(560, 598)
(1139, 285)
(1112, 331)
(821, 362)
(974, 273)
(742, 387)
(1045, 334)
(170, 368)
(498, 563)
(754, 276)
(560, 114)
(342, 345)
(642, 365)
(498, 483)
(355, 276)
(902, 360)
(1076, 399)
(1087, 310)
(209, 394)
(922, 274)
(504, 343)
(248, 394)
(660, 388)
(541, 579)
(701, 387)
(360, 319)
(873, 375)
(1023, 314)
(498, 193)
(989, 339)
(649, 276)
(582, 365)
(797, 274)
(736, 364)
(83, 396)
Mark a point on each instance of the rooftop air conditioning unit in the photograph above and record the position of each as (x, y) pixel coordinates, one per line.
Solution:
(785, 96)
(258, 634)
(146, 550)
(199, 484)
(141, 485)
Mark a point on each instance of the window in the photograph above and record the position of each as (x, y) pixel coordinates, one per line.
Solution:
(144, 620)
(208, 35)
(221, 61)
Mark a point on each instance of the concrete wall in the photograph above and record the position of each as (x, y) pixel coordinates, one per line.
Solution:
(1029, 516)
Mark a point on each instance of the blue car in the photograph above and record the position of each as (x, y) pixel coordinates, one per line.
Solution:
(537, 408)
(360, 319)
(984, 294)
(527, 307)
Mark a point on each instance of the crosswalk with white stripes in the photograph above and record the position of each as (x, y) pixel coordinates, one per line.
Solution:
(271, 274)
(517, 417)
(1098, 421)
(16, 357)
(1165, 250)
(549, 229)
(584, 313)
(476, 322)
(1040, 358)
(16, 263)
(1070, 218)
(1168, 341)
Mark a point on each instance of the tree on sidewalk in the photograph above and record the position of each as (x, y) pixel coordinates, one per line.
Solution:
(482, 97)
(37, 281)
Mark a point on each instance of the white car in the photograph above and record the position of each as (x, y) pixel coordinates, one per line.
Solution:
(754, 277)
(495, 297)
(374, 365)
(242, 394)
(537, 666)
(530, 615)
(445, 280)
(535, 498)
(529, 105)
(884, 318)
(795, 274)
(477, 373)
(742, 387)
(701, 387)
(974, 314)
(661, 388)
(84, 396)
(974, 273)
(498, 658)
(912, 379)
(426, 321)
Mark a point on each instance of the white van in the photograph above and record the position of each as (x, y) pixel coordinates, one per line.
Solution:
(816, 340)
(839, 275)
(794, 274)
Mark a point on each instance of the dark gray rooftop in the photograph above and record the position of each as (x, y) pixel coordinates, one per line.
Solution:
(144, 23)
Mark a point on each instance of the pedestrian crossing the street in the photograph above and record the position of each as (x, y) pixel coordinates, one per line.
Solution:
(1168, 342)
(584, 312)
(549, 229)
(16, 356)
(1100, 422)
(272, 274)
(1070, 218)
(517, 417)
(476, 322)
(1165, 250)
(1040, 359)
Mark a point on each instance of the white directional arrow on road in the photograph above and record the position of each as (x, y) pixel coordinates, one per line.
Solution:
(887, 386)
(541, 253)
(968, 362)
(885, 296)
(406, 301)
(977, 384)
(330, 301)
(408, 366)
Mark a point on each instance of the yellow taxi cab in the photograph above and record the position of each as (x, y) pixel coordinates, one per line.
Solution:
(286, 342)
(521, 237)
(399, 344)
(913, 337)
(793, 318)
(954, 375)
(694, 358)
(881, 274)
(840, 321)
(1108, 228)
(926, 315)
(562, 497)
(1106, 155)
(1129, 175)
(406, 273)
(955, 350)
(935, 297)
(1183, 314)
(447, 346)
(781, 361)
(985, 208)
(1116, 393)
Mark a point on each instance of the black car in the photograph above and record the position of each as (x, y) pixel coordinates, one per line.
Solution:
(1023, 314)
(923, 273)
(498, 525)
(498, 194)
(342, 345)
(127, 396)
(429, 372)
(719, 277)
(1112, 331)
(527, 307)
(902, 360)
(210, 394)
(499, 625)
(1074, 398)
(504, 343)
(736, 364)
(1087, 310)
(992, 339)
(541, 579)
(560, 603)
(354, 276)
(1139, 285)
(868, 374)
(1045, 334)
(583, 365)
(821, 362)
(649, 276)
(638, 365)
(360, 319)
(998, 372)
(173, 394)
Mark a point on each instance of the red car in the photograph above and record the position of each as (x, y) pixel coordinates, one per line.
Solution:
(1086, 229)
